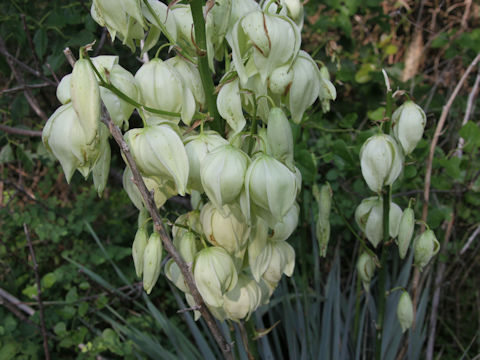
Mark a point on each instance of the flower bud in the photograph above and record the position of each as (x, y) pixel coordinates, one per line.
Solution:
(152, 259)
(119, 109)
(273, 39)
(138, 249)
(381, 161)
(197, 147)
(64, 137)
(161, 192)
(159, 153)
(322, 226)
(102, 167)
(279, 137)
(227, 228)
(63, 89)
(222, 173)
(243, 299)
(161, 87)
(365, 269)
(327, 89)
(408, 123)
(85, 95)
(271, 187)
(405, 313)
(214, 274)
(425, 247)
(369, 217)
(229, 104)
(405, 232)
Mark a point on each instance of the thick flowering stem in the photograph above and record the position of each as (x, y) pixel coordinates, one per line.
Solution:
(205, 74)
(386, 236)
(167, 243)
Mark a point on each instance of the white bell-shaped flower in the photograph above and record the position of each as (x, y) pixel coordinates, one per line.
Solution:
(381, 161)
(197, 147)
(271, 39)
(222, 173)
(305, 87)
(214, 274)
(162, 87)
(119, 109)
(408, 123)
(271, 187)
(191, 77)
(243, 299)
(227, 228)
(63, 136)
(369, 218)
(159, 153)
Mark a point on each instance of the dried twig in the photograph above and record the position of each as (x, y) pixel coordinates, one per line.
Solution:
(10, 57)
(17, 131)
(24, 87)
(468, 112)
(28, 94)
(470, 240)
(39, 290)
(16, 302)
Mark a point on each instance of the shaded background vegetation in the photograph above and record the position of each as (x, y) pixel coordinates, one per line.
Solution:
(425, 46)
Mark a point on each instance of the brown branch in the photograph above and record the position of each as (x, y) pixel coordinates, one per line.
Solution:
(8, 56)
(16, 302)
(17, 131)
(468, 112)
(24, 87)
(39, 289)
(28, 94)
(167, 243)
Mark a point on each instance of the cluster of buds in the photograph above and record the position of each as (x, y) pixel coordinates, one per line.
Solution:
(243, 182)
(381, 160)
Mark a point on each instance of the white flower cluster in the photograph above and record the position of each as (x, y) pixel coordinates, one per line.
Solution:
(381, 160)
(244, 185)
